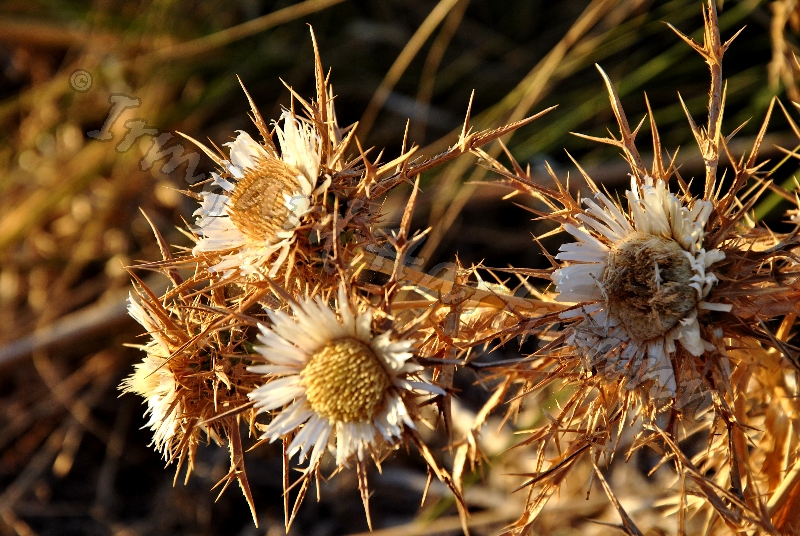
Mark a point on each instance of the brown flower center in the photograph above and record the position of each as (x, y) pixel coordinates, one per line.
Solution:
(345, 381)
(647, 285)
(257, 204)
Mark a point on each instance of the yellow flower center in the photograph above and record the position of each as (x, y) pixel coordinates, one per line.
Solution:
(647, 285)
(257, 204)
(345, 381)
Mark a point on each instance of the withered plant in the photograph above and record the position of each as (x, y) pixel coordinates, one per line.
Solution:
(667, 320)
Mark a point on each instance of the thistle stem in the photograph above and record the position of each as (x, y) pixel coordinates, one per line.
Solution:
(471, 296)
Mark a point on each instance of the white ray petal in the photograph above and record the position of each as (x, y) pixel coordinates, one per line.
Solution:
(584, 237)
(245, 151)
(581, 252)
(611, 233)
(278, 392)
(579, 282)
(288, 419)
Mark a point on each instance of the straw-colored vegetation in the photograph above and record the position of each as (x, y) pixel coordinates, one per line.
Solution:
(395, 303)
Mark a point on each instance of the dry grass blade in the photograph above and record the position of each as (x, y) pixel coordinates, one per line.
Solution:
(223, 37)
(432, 62)
(515, 106)
(401, 63)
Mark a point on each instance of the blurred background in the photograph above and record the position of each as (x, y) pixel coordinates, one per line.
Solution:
(91, 95)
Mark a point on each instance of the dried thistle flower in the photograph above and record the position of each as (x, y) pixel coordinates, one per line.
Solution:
(338, 386)
(338, 380)
(154, 381)
(643, 276)
(191, 378)
(300, 213)
(672, 334)
(266, 194)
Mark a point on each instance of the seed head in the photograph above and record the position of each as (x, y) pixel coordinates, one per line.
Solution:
(647, 282)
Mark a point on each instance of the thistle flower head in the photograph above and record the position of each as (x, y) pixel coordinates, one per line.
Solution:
(265, 196)
(334, 380)
(188, 378)
(671, 302)
(642, 277)
(154, 381)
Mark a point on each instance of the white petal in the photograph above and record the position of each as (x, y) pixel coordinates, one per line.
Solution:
(584, 237)
(245, 151)
(582, 252)
(222, 183)
(724, 307)
(353, 438)
(299, 148)
(212, 205)
(579, 282)
(289, 419)
(314, 433)
(689, 335)
(713, 256)
(277, 393)
(424, 387)
(324, 434)
(615, 218)
(302, 334)
(274, 370)
(612, 234)
(659, 367)
(284, 254)
(236, 171)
